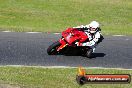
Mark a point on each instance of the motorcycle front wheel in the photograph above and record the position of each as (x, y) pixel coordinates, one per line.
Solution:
(52, 49)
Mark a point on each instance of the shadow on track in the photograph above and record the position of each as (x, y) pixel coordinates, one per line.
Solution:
(95, 55)
(76, 53)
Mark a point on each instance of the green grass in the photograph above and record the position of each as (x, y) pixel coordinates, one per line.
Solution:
(115, 16)
(29, 77)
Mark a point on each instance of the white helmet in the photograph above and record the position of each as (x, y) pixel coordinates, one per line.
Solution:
(93, 26)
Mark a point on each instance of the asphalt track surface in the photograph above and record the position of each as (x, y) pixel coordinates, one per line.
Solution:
(30, 50)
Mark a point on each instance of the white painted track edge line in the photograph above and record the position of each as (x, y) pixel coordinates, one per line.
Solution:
(63, 67)
(119, 35)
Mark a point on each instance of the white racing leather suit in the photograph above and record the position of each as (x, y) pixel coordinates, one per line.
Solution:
(93, 38)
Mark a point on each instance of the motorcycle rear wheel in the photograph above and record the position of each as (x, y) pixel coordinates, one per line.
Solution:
(52, 49)
(88, 53)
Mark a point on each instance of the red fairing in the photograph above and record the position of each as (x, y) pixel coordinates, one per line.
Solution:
(62, 41)
(72, 34)
(63, 44)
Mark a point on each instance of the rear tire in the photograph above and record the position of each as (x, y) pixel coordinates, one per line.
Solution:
(52, 49)
(89, 53)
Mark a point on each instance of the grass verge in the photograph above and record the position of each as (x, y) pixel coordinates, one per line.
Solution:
(54, 16)
(30, 77)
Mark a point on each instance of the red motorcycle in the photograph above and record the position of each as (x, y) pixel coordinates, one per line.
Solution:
(69, 37)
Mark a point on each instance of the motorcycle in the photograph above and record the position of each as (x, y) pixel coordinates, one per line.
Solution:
(68, 41)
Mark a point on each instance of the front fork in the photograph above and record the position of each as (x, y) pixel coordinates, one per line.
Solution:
(63, 44)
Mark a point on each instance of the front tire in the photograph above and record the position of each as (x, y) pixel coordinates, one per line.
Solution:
(52, 49)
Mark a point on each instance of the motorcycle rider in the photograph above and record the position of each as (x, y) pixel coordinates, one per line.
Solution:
(93, 32)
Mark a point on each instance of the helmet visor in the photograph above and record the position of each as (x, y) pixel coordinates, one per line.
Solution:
(92, 29)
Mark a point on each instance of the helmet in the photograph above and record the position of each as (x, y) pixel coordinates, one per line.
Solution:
(93, 26)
